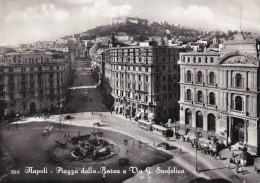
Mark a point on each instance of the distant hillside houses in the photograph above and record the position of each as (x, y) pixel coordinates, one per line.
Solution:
(129, 20)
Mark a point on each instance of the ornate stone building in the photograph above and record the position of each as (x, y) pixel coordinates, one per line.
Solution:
(143, 78)
(220, 92)
(33, 81)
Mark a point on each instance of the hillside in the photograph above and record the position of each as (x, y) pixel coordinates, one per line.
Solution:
(142, 31)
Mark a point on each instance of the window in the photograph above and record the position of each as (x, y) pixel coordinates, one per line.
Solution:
(31, 68)
(199, 77)
(199, 119)
(31, 76)
(212, 98)
(188, 78)
(188, 117)
(238, 103)
(188, 95)
(140, 77)
(23, 77)
(23, 69)
(164, 78)
(169, 77)
(238, 80)
(211, 59)
(169, 87)
(146, 78)
(200, 96)
(170, 96)
(211, 122)
(199, 59)
(164, 87)
(211, 78)
(10, 69)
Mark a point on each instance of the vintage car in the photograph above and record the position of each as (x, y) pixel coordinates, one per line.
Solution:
(47, 130)
(165, 145)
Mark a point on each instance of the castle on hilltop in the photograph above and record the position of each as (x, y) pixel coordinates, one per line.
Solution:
(128, 20)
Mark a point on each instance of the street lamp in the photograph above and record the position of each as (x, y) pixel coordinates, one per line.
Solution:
(196, 157)
(60, 106)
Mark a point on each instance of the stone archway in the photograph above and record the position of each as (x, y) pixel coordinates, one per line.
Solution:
(33, 108)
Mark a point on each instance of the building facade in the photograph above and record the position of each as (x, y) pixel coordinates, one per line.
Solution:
(220, 92)
(32, 82)
(144, 79)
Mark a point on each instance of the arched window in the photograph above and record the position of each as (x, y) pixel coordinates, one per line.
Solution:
(199, 119)
(199, 77)
(238, 103)
(188, 97)
(211, 122)
(188, 117)
(188, 76)
(200, 96)
(212, 98)
(238, 80)
(211, 78)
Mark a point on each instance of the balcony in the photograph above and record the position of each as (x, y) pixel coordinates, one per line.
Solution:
(239, 112)
(188, 81)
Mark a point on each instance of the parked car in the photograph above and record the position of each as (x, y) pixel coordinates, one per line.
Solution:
(165, 145)
(124, 162)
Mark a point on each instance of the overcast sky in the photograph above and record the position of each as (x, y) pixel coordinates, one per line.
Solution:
(25, 21)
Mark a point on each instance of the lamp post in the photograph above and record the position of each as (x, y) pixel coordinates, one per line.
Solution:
(196, 157)
(60, 106)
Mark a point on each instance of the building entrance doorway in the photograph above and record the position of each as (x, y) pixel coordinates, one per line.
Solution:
(238, 130)
(32, 108)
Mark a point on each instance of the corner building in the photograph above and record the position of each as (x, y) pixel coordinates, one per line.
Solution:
(220, 92)
(143, 78)
(32, 82)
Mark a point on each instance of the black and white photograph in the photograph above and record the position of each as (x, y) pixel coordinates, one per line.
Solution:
(129, 91)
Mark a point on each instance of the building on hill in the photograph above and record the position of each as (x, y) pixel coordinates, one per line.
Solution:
(32, 82)
(220, 92)
(128, 20)
(144, 80)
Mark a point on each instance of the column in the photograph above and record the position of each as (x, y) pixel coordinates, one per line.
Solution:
(226, 77)
(246, 85)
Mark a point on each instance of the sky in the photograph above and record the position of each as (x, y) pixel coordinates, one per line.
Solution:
(27, 21)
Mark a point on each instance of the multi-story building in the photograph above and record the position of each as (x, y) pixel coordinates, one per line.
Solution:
(33, 81)
(220, 92)
(144, 79)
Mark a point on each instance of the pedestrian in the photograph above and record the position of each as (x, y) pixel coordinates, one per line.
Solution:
(65, 135)
(16, 126)
(103, 177)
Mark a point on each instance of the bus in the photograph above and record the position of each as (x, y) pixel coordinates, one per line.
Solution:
(162, 130)
(145, 125)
